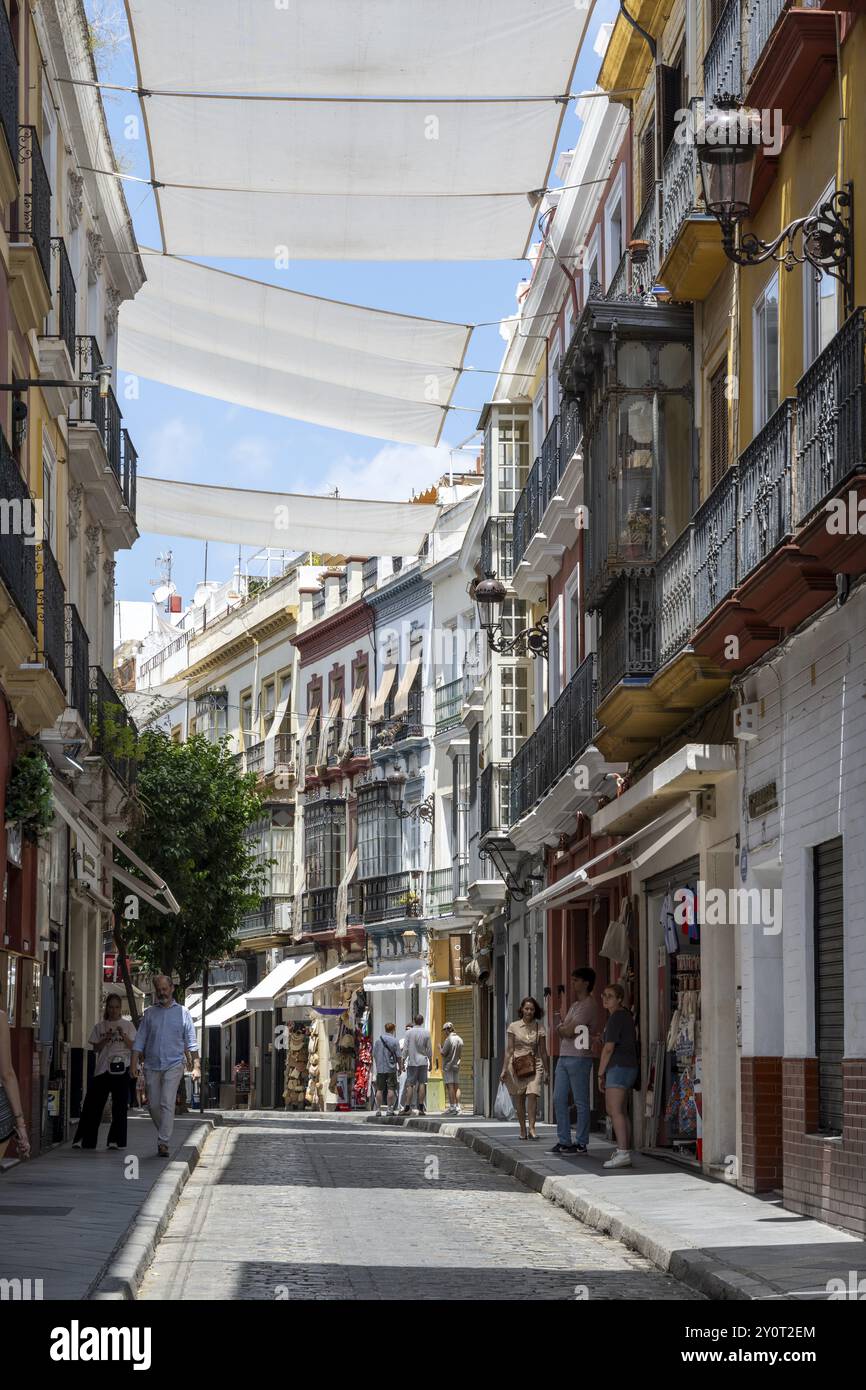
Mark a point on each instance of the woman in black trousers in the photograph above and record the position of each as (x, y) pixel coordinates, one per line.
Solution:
(112, 1041)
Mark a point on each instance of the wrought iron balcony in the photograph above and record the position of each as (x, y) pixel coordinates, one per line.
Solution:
(493, 797)
(715, 542)
(384, 733)
(831, 416)
(497, 553)
(285, 753)
(723, 60)
(255, 757)
(765, 490)
(537, 492)
(50, 608)
(62, 319)
(8, 86)
(553, 749)
(675, 596)
(129, 467)
(570, 432)
(77, 663)
(627, 644)
(644, 271)
(391, 897)
(449, 704)
(112, 728)
(439, 892)
(33, 213)
(17, 536)
(761, 21)
(619, 285)
(679, 189)
(358, 744)
(319, 908)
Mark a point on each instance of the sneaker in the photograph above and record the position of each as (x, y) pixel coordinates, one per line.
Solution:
(620, 1159)
(581, 1149)
(162, 1150)
(415, 1112)
(407, 1110)
(564, 1149)
(422, 1109)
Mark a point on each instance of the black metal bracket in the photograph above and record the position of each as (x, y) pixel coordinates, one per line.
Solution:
(533, 640)
(827, 243)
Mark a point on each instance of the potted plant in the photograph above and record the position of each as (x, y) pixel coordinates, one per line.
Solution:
(29, 797)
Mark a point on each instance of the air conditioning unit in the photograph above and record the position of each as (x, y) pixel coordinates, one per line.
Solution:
(283, 915)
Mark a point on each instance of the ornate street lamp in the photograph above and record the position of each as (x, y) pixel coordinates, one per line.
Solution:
(727, 149)
(490, 595)
(421, 810)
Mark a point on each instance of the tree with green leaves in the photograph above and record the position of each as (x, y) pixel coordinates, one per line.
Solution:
(191, 813)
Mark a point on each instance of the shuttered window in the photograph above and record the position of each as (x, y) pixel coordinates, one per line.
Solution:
(671, 97)
(829, 983)
(718, 424)
(647, 162)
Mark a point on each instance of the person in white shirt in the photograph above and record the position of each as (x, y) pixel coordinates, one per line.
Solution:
(111, 1040)
(451, 1048)
(419, 1057)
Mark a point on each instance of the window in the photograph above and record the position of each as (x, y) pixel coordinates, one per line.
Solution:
(592, 265)
(538, 422)
(766, 335)
(324, 843)
(514, 703)
(829, 943)
(554, 664)
(647, 162)
(269, 695)
(211, 714)
(614, 227)
(246, 716)
(512, 465)
(718, 423)
(284, 681)
(282, 851)
(554, 390)
(673, 96)
(379, 833)
(820, 304)
(49, 509)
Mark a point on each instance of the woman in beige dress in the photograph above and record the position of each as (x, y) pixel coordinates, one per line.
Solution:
(525, 1038)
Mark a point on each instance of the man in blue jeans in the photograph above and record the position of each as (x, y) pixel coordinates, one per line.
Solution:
(574, 1067)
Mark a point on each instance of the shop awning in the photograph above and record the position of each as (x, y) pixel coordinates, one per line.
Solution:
(399, 977)
(303, 994)
(228, 1013)
(214, 998)
(401, 699)
(261, 997)
(71, 809)
(582, 881)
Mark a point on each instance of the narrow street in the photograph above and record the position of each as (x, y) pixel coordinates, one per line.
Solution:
(335, 1208)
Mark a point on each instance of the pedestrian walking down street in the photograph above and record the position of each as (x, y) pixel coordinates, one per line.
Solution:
(618, 1069)
(11, 1115)
(451, 1049)
(387, 1063)
(112, 1039)
(525, 1068)
(164, 1036)
(419, 1058)
(574, 1066)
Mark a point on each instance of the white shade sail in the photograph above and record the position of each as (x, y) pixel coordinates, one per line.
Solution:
(380, 47)
(284, 521)
(283, 125)
(296, 355)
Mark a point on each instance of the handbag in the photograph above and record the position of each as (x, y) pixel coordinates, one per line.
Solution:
(524, 1065)
(616, 939)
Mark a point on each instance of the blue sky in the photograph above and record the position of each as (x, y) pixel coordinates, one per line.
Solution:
(182, 435)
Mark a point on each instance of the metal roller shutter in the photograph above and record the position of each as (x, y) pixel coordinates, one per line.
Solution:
(829, 983)
(460, 1010)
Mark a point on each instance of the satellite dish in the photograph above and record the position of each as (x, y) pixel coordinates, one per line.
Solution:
(163, 592)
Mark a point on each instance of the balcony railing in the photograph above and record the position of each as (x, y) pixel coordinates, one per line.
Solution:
(497, 551)
(644, 272)
(449, 704)
(494, 797)
(129, 467)
(764, 503)
(553, 749)
(62, 319)
(627, 644)
(33, 218)
(8, 86)
(77, 664)
(259, 923)
(761, 21)
(111, 438)
(319, 909)
(831, 416)
(391, 897)
(675, 596)
(285, 753)
(439, 894)
(255, 754)
(723, 60)
(679, 175)
(50, 608)
(539, 489)
(17, 536)
(716, 546)
(384, 733)
(112, 728)
(619, 285)
(91, 406)
(569, 433)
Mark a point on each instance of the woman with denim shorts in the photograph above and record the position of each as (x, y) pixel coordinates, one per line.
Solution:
(617, 1070)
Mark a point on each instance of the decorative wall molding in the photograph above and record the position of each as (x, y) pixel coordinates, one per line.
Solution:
(91, 554)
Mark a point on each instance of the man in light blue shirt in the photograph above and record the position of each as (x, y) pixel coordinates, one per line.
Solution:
(165, 1034)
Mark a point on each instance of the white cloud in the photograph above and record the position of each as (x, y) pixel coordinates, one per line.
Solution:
(251, 459)
(173, 450)
(390, 475)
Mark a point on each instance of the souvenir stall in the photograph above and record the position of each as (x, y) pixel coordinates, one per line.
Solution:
(297, 1066)
(328, 1001)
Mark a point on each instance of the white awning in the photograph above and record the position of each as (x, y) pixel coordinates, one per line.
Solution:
(261, 997)
(342, 365)
(385, 683)
(214, 998)
(348, 718)
(407, 680)
(228, 1013)
(326, 726)
(342, 913)
(303, 994)
(71, 809)
(577, 884)
(281, 520)
(393, 975)
(276, 723)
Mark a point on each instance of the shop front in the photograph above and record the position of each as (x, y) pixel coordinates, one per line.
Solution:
(333, 1010)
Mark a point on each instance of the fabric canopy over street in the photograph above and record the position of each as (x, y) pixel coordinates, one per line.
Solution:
(334, 364)
(347, 131)
(261, 996)
(282, 520)
(214, 997)
(70, 809)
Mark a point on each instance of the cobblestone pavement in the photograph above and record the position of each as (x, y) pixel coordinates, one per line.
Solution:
(307, 1207)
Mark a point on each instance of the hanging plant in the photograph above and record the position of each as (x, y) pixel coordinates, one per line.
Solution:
(29, 797)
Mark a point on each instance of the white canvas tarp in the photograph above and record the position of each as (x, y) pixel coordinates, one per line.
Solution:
(380, 47)
(287, 521)
(334, 364)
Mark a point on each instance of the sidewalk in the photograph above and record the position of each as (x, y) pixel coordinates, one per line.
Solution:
(78, 1220)
(719, 1240)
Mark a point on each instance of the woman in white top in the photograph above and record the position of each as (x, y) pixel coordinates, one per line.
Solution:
(112, 1041)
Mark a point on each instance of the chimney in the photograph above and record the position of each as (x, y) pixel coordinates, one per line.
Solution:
(305, 605)
(331, 580)
(354, 578)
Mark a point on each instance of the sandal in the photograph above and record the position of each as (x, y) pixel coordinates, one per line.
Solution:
(523, 1136)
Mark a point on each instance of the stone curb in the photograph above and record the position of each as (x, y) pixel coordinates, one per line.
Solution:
(121, 1277)
(707, 1274)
